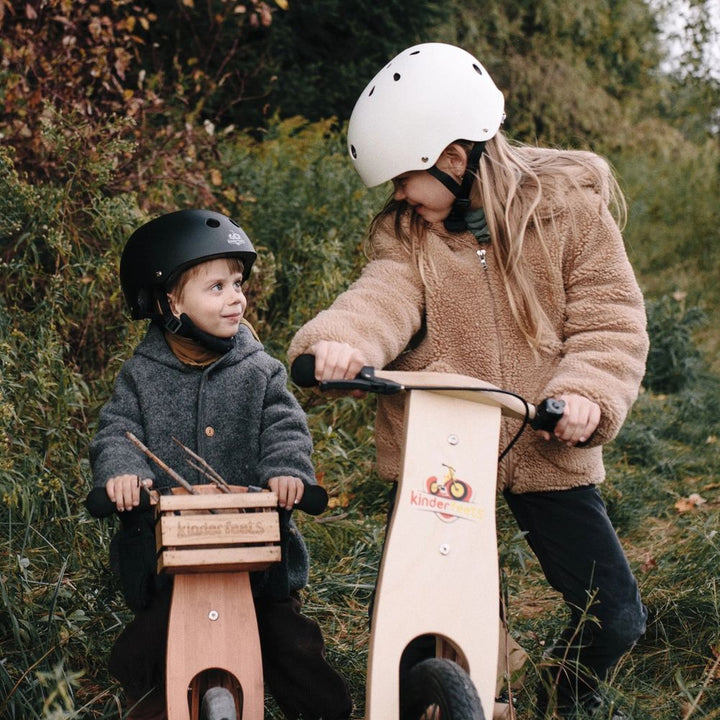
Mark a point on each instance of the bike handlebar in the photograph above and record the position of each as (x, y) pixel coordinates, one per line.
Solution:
(98, 504)
(302, 371)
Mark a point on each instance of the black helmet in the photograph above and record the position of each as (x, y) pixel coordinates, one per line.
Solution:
(157, 252)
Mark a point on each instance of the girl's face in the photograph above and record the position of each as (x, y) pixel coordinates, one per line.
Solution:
(426, 195)
(212, 298)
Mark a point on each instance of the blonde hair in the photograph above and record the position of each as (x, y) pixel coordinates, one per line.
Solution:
(518, 186)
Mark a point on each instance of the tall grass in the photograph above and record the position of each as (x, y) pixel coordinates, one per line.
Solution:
(63, 335)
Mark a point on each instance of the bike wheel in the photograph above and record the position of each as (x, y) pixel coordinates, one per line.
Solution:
(438, 689)
(218, 704)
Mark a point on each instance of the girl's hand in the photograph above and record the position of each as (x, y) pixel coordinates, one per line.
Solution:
(124, 491)
(336, 361)
(578, 423)
(289, 490)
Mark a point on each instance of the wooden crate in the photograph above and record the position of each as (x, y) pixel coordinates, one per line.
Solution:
(217, 532)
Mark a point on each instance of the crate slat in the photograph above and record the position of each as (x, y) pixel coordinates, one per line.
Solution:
(219, 529)
(218, 559)
(219, 501)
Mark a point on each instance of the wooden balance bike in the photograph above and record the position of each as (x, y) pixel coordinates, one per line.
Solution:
(210, 540)
(439, 571)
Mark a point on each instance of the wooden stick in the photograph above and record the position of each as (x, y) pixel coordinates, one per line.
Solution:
(206, 468)
(177, 478)
(206, 474)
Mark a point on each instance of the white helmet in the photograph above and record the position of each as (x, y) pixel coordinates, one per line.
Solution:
(424, 99)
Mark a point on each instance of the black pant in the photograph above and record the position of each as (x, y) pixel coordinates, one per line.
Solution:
(293, 653)
(577, 547)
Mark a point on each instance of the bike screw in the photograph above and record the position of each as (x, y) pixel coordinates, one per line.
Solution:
(444, 549)
(453, 439)
(213, 615)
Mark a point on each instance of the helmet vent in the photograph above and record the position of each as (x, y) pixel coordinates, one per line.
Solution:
(477, 69)
(212, 222)
(371, 91)
(415, 52)
(396, 76)
(353, 152)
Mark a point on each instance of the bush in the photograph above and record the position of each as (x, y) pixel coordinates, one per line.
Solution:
(674, 360)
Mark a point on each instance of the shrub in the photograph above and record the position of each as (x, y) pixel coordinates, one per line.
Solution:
(674, 360)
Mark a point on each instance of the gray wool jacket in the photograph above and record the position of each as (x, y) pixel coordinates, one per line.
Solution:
(237, 414)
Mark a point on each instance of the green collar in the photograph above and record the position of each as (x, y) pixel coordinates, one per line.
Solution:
(477, 224)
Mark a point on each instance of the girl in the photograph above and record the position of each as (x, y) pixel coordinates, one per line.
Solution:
(502, 262)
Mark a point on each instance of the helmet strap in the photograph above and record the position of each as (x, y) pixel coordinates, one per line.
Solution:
(455, 221)
(185, 327)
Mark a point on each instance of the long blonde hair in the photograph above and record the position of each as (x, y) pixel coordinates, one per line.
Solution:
(518, 186)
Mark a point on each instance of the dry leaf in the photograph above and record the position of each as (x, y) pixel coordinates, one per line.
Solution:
(689, 503)
(649, 563)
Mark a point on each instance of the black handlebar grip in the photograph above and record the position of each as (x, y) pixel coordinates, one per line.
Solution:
(547, 414)
(302, 371)
(98, 504)
(314, 500)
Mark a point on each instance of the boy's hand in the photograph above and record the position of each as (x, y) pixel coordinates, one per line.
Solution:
(124, 491)
(289, 490)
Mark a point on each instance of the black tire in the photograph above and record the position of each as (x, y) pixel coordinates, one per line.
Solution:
(438, 688)
(218, 704)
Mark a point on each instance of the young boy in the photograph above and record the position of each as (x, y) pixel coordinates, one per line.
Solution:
(200, 376)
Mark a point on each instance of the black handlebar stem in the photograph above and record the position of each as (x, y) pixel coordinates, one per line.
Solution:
(365, 381)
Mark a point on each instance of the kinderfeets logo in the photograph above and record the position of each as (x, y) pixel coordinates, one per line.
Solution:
(448, 497)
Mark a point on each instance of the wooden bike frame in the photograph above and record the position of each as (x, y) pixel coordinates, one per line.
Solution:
(210, 542)
(439, 573)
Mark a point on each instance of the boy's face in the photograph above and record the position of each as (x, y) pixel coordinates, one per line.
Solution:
(212, 298)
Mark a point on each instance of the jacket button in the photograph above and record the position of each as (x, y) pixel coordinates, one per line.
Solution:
(209, 431)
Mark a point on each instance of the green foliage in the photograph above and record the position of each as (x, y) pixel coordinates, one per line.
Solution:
(673, 361)
(672, 231)
(573, 75)
(326, 51)
(308, 217)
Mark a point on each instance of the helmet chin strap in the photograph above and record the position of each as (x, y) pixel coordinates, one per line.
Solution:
(185, 327)
(455, 221)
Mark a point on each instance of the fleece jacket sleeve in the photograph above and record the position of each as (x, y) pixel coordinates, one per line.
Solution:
(378, 314)
(605, 343)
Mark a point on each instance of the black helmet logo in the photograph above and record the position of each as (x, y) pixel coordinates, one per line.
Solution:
(236, 239)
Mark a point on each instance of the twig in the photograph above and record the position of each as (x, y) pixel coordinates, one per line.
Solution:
(206, 469)
(206, 474)
(177, 478)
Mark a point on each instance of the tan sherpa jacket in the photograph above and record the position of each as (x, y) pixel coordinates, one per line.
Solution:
(599, 320)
